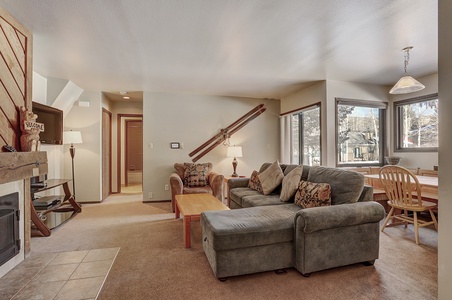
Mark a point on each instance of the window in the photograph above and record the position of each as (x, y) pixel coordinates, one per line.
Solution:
(306, 136)
(416, 122)
(360, 132)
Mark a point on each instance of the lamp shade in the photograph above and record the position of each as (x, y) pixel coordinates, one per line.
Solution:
(406, 84)
(72, 137)
(234, 152)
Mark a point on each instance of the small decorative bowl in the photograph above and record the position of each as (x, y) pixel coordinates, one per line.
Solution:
(392, 160)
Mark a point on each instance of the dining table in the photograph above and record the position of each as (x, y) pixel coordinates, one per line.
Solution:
(425, 181)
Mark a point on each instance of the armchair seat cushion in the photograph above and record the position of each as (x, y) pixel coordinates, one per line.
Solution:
(198, 190)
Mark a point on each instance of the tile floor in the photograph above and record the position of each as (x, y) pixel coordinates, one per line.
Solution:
(71, 275)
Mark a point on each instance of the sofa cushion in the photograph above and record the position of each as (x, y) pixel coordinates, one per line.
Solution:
(346, 186)
(261, 200)
(254, 182)
(271, 178)
(251, 227)
(290, 183)
(196, 174)
(310, 194)
(237, 194)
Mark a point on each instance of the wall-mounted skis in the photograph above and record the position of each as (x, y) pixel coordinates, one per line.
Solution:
(227, 132)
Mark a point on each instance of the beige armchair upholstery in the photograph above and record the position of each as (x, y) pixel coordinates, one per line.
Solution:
(188, 178)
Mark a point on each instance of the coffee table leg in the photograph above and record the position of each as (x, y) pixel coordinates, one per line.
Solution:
(177, 212)
(187, 231)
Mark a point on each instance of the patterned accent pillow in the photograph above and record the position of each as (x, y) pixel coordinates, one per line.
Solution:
(312, 194)
(196, 174)
(254, 182)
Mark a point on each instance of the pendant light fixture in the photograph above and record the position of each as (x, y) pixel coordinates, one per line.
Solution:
(406, 84)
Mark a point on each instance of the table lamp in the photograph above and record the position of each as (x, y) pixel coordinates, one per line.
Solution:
(234, 152)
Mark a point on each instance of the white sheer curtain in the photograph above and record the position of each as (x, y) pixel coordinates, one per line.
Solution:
(286, 139)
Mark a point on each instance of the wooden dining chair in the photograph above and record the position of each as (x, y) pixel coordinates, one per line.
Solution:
(404, 194)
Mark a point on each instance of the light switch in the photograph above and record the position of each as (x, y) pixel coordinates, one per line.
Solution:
(151, 146)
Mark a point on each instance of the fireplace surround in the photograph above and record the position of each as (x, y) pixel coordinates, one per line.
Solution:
(16, 169)
(9, 227)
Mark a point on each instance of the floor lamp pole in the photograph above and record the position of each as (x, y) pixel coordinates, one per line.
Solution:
(72, 151)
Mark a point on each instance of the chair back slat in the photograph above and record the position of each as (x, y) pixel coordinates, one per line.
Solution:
(400, 184)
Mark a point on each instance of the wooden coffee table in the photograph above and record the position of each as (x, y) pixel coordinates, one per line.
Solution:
(191, 206)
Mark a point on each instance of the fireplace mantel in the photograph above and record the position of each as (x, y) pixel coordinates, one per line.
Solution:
(22, 165)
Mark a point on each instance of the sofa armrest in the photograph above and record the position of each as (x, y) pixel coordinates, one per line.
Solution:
(176, 188)
(320, 218)
(216, 182)
(237, 182)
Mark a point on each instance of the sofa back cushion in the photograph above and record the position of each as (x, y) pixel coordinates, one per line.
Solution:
(346, 186)
(271, 178)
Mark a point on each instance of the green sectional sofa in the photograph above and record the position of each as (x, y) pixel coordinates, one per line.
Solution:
(262, 233)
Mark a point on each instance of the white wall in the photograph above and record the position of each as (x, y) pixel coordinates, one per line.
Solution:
(87, 162)
(423, 160)
(308, 96)
(192, 120)
(445, 146)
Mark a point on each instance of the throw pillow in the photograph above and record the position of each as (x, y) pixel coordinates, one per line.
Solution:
(271, 178)
(312, 194)
(254, 182)
(196, 174)
(290, 184)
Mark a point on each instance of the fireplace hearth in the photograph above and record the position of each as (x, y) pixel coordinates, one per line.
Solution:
(9, 227)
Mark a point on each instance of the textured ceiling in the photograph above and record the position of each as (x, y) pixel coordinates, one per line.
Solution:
(252, 48)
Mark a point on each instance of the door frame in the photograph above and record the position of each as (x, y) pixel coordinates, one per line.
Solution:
(120, 117)
(110, 179)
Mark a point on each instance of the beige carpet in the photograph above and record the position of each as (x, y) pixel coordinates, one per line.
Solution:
(153, 264)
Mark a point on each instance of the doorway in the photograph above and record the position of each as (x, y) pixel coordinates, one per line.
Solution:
(130, 153)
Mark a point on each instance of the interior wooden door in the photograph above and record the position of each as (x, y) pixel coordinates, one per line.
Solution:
(134, 150)
(106, 153)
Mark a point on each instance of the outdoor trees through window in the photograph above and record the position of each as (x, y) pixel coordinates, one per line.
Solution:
(306, 136)
(417, 124)
(359, 132)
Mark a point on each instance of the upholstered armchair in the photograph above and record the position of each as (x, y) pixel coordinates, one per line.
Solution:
(193, 178)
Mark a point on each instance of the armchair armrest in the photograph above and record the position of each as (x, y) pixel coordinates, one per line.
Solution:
(176, 188)
(342, 215)
(216, 182)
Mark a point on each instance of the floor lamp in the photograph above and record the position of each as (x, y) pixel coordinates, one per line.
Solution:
(72, 137)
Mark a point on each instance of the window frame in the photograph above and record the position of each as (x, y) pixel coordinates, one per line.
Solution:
(383, 111)
(398, 142)
(298, 112)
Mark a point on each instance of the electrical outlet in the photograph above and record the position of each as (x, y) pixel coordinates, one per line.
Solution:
(151, 195)
(166, 187)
